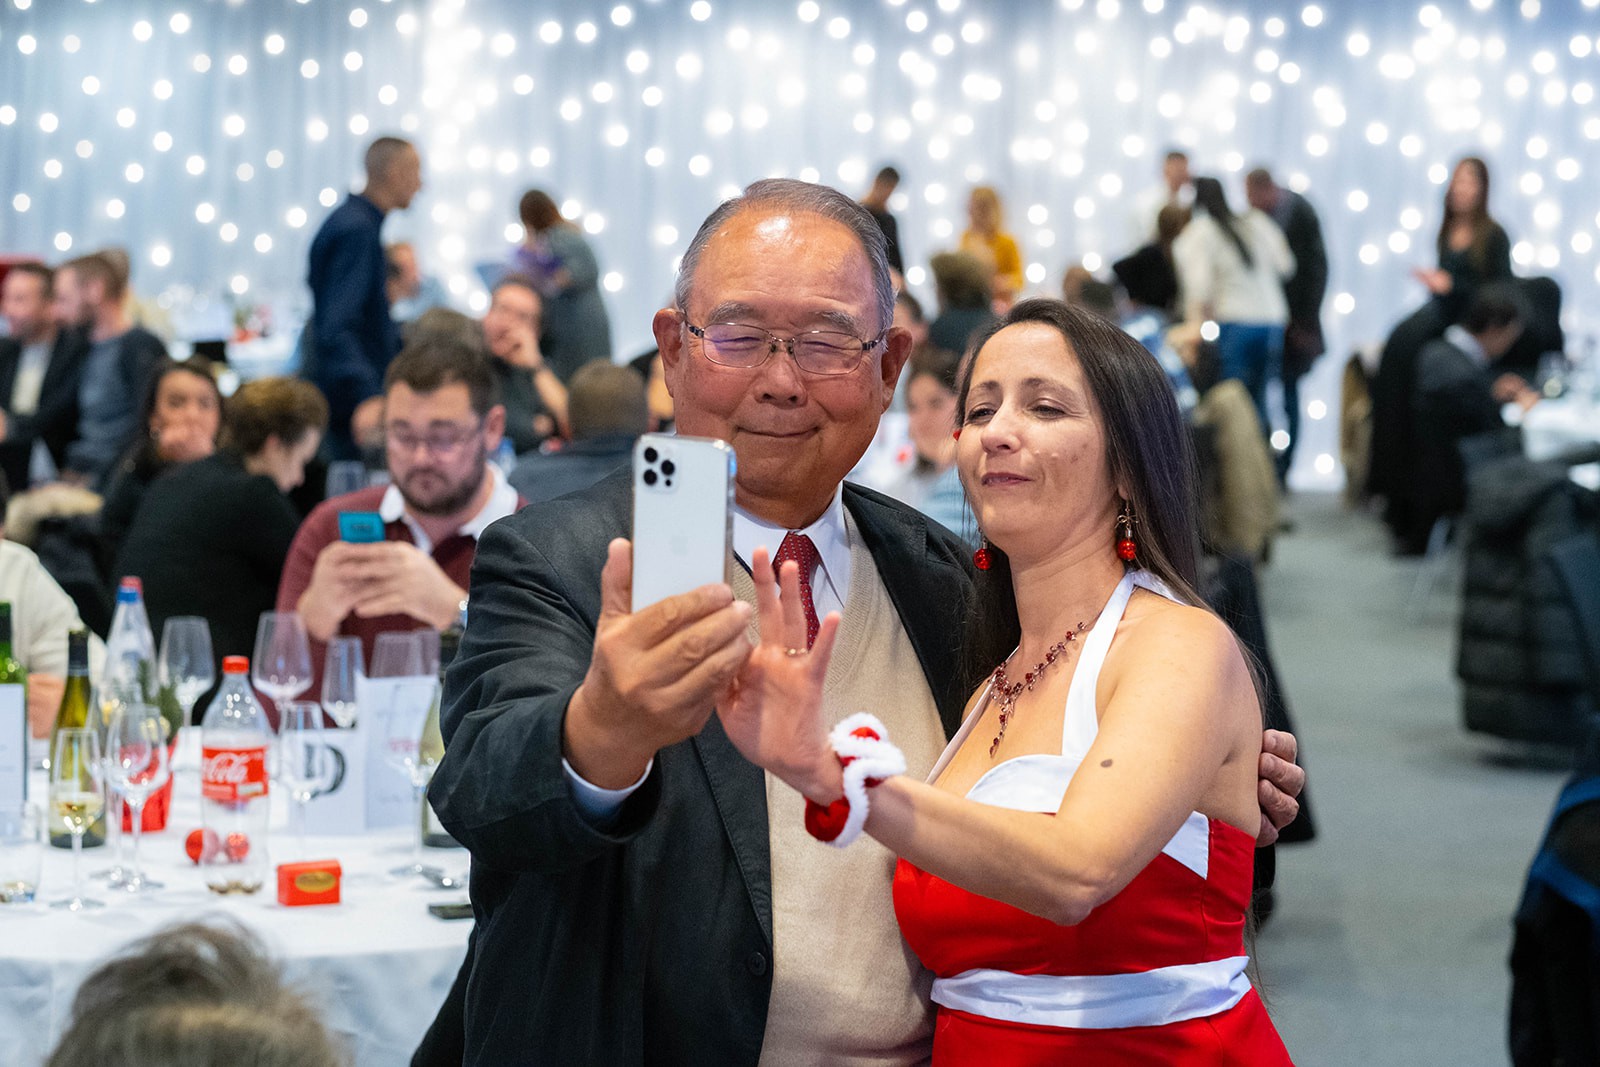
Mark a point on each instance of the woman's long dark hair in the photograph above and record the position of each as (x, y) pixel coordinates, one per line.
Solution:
(1147, 451)
(1483, 225)
(1209, 197)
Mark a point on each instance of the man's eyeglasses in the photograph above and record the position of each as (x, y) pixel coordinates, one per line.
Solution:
(441, 442)
(821, 352)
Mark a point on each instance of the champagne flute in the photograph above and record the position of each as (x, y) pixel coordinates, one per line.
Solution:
(398, 655)
(403, 751)
(136, 761)
(305, 765)
(76, 798)
(339, 673)
(186, 663)
(282, 665)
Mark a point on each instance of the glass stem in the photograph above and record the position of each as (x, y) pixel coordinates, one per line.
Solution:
(77, 864)
(136, 820)
(417, 794)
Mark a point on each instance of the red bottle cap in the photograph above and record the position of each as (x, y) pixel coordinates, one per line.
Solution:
(236, 665)
(133, 583)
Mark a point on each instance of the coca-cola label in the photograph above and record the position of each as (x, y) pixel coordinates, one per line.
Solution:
(233, 774)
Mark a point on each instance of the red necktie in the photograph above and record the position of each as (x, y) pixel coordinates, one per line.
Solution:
(799, 548)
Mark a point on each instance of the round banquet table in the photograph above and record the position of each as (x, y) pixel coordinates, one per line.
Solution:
(1551, 427)
(377, 964)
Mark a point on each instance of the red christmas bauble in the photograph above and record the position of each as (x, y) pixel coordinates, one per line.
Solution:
(238, 847)
(201, 845)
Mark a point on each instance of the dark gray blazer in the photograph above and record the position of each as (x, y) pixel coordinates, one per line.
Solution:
(651, 943)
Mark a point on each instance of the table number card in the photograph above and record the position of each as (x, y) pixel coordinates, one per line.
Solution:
(382, 701)
(13, 746)
(341, 809)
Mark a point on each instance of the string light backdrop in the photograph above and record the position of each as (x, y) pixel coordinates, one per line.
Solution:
(211, 139)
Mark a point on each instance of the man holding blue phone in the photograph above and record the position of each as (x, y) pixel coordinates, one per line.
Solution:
(397, 557)
(640, 892)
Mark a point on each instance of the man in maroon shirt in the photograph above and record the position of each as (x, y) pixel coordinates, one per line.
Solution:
(442, 420)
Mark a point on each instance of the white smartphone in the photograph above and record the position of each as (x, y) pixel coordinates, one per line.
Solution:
(682, 499)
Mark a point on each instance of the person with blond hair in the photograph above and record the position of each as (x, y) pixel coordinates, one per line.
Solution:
(987, 239)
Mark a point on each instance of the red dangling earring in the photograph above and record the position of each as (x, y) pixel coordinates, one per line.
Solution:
(1127, 549)
(981, 558)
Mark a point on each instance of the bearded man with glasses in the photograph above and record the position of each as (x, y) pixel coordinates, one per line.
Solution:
(442, 420)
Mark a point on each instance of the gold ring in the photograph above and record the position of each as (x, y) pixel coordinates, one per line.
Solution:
(794, 651)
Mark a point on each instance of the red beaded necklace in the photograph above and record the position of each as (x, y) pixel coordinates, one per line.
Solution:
(1009, 691)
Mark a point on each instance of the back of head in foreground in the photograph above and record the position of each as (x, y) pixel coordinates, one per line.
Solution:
(193, 995)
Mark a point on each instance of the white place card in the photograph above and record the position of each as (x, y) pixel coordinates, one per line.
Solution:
(13, 746)
(341, 810)
(405, 703)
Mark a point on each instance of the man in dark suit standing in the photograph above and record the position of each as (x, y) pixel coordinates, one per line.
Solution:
(1304, 290)
(351, 338)
(640, 893)
(39, 367)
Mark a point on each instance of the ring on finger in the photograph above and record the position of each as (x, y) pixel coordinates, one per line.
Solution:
(794, 651)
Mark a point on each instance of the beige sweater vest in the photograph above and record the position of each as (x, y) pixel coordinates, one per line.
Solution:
(845, 988)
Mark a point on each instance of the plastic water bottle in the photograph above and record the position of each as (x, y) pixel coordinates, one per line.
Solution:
(233, 785)
(130, 647)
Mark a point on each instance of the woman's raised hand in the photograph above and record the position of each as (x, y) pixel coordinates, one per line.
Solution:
(773, 709)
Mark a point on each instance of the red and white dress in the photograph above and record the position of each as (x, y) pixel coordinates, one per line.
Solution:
(1155, 975)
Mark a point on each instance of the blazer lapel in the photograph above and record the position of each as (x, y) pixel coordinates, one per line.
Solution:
(929, 594)
(739, 789)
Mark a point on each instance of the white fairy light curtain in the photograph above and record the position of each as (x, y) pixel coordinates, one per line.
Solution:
(210, 138)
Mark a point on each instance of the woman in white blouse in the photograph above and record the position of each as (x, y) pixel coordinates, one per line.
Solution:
(1231, 270)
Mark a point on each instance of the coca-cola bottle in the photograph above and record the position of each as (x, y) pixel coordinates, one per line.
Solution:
(233, 784)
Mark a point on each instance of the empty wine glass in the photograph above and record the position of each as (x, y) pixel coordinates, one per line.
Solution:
(402, 750)
(76, 799)
(340, 670)
(305, 765)
(398, 655)
(282, 665)
(186, 663)
(345, 476)
(136, 763)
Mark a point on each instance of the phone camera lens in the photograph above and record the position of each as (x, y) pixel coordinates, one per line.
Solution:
(649, 477)
(668, 468)
(651, 455)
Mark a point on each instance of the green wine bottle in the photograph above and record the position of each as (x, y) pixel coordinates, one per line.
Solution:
(431, 746)
(74, 714)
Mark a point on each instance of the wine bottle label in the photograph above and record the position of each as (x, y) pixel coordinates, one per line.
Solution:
(230, 775)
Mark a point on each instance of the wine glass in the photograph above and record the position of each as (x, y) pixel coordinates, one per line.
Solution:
(113, 697)
(136, 762)
(345, 476)
(339, 673)
(305, 765)
(282, 665)
(398, 655)
(402, 750)
(76, 798)
(186, 663)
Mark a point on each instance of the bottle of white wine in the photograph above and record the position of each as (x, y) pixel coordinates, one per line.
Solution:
(431, 747)
(13, 719)
(74, 714)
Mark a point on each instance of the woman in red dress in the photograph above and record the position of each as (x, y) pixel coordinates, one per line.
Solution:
(1076, 870)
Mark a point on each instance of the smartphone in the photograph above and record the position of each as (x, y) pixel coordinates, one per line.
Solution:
(360, 527)
(682, 501)
(462, 910)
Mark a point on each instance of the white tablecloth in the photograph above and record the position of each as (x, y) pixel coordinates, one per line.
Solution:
(377, 964)
(1551, 427)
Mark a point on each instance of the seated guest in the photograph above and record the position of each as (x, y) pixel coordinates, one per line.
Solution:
(211, 536)
(442, 421)
(657, 396)
(929, 482)
(411, 292)
(39, 368)
(607, 409)
(965, 288)
(534, 397)
(1459, 395)
(182, 415)
(195, 995)
(1149, 328)
(89, 296)
(41, 614)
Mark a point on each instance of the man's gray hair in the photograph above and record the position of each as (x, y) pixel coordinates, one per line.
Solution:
(800, 198)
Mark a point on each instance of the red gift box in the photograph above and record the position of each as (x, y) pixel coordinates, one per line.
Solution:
(156, 806)
(311, 882)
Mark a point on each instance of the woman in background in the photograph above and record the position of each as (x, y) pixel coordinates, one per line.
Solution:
(211, 537)
(1473, 247)
(929, 482)
(555, 254)
(986, 238)
(1231, 270)
(182, 415)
